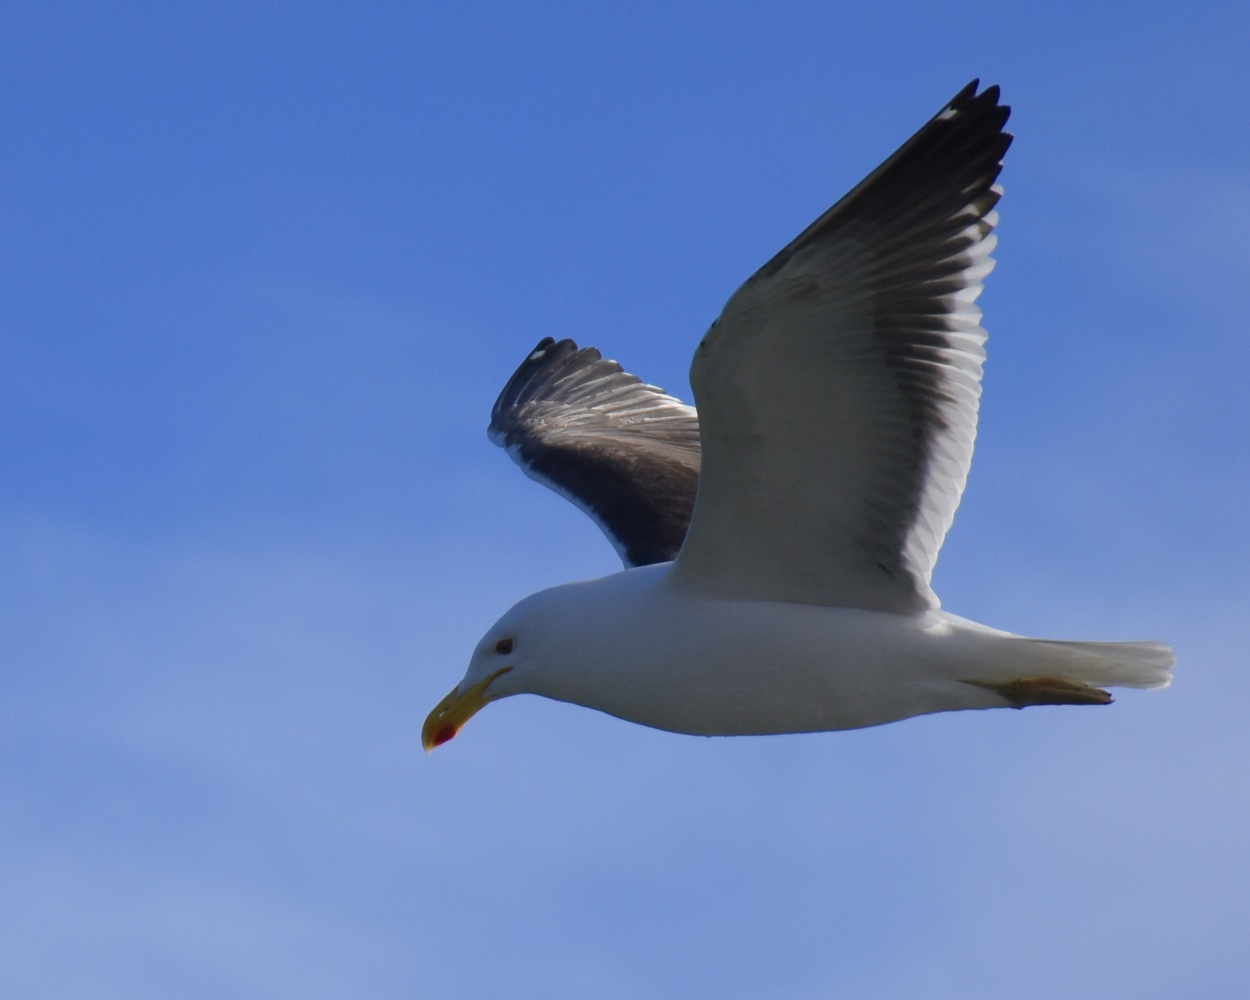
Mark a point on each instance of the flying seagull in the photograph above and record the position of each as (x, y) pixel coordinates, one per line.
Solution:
(779, 542)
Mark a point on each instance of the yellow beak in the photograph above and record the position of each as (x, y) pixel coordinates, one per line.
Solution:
(454, 711)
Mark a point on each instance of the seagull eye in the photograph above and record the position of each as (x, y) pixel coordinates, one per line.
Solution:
(503, 646)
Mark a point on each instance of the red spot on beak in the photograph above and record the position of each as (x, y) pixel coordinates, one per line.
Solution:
(442, 735)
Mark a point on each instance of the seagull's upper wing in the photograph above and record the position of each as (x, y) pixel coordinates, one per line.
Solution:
(838, 390)
(623, 451)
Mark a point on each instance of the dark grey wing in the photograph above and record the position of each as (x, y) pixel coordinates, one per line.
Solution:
(623, 451)
(838, 391)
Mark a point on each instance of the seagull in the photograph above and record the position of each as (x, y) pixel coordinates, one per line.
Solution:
(779, 540)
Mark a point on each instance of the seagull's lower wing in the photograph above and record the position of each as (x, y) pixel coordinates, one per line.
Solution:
(838, 390)
(623, 451)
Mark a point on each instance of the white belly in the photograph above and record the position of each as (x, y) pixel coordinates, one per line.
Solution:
(652, 654)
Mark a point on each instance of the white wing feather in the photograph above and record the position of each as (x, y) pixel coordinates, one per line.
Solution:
(838, 392)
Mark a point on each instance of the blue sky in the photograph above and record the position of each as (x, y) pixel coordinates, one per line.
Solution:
(266, 267)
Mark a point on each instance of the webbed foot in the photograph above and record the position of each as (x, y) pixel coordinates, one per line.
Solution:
(1047, 691)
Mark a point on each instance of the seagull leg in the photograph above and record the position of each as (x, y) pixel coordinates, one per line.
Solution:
(1047, 691)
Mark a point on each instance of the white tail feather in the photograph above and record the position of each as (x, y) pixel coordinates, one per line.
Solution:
(1115, 664)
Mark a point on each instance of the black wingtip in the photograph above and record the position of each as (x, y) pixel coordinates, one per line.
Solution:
(967, 94)
(986, 100)
(534, 362)
(550, 361)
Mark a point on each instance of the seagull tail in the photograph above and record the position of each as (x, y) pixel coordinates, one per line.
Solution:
(1113, 664)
